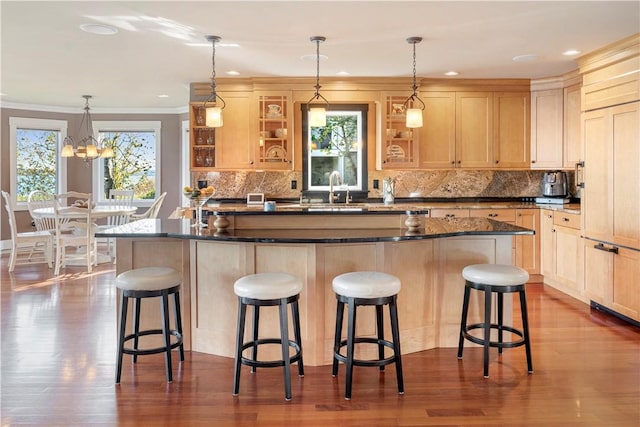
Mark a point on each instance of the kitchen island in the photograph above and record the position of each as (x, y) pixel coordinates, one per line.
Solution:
(428, 261)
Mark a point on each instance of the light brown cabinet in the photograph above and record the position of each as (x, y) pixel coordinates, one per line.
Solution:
(399, 143)
(226, 147)
(572, 139)
(437, 139)
(511, 146)
(562, 252)
(611, 277)
(272, 146)
(610, 200)
(546, 129)
(527, 248)
(474, 129)
(449, 213)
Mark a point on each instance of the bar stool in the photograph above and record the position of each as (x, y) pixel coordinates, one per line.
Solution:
(499, 279)
(366, 288)
(268, 289)
(142, 283)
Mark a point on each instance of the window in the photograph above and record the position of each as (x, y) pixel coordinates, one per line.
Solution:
(338, 146)
(135, 166)
(35, 157)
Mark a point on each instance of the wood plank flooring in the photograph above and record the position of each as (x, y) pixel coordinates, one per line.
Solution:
(58, 361)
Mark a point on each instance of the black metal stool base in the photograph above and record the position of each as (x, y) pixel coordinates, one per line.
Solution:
(255, 342)
(166, 331)
(487, 326)
(349, 360)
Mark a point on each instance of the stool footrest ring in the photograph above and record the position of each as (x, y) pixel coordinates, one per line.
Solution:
(362, 362)
(144, 351)
(270, 363)
(508, 344)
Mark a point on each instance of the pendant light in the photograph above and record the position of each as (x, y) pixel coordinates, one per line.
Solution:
(213, 112)
(87, 147)
(317, 114)
(414, 115)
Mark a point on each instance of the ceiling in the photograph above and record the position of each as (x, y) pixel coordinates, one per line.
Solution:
(49, 62)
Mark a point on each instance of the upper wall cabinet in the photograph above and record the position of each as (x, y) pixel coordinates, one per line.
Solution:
(511, 129)
(546, 129)
(225, 147)
(572, 140)
(475, 130)
(398, 141)
(273, 147)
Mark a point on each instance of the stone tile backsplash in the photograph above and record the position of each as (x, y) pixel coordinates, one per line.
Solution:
(427, 183)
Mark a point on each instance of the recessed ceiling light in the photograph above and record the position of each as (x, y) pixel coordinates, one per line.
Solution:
(451, 73)
(525, 58)
(571, 52)
(163, 95)
(233, 73)
(343, 73)
(100, 29)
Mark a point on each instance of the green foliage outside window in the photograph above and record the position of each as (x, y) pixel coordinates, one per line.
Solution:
(133, 164)
(36, 163)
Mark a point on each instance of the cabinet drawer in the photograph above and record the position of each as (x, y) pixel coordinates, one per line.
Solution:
(504, 215)
(567, 220)
(449, 213)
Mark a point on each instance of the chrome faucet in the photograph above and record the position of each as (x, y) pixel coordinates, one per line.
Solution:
(336, 174)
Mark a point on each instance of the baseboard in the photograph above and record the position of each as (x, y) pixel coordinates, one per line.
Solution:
(614, 313)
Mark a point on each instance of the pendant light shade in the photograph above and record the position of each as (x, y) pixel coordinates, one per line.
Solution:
(414, 114)
(317, 113)
(213, 112)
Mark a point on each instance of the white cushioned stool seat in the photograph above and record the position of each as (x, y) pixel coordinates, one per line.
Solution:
(148, 279)
(268, 286)
(495, 274)
(366, 284)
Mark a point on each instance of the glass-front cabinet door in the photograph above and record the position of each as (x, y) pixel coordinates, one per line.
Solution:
(399, 142)
(274, 145)
(202, 139)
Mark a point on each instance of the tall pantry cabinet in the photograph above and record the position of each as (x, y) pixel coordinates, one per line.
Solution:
(611, 193)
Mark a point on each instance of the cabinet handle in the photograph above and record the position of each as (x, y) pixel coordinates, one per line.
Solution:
(565, 219)
(602, 247)
(497, 161)
(453, 162)
(579, 182)
(459, 161)
(533, 161)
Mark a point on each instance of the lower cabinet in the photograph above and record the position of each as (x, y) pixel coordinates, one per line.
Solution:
(562, 252)
(611, 277)
(527, 248)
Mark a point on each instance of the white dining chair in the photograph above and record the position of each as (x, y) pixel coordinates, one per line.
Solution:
(153, 210)
(31, 242)
(74, 228)
(116, 198)
(39, 200)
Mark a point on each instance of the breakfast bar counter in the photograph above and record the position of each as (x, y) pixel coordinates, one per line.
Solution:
(428, 260)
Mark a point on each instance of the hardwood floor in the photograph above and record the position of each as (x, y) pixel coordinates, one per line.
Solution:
(58, 361)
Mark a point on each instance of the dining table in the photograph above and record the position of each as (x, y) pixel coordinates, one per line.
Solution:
(97, 212)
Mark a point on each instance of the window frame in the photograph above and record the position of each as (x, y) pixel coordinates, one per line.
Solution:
(16, 123)
(363, 109)
(127, 126)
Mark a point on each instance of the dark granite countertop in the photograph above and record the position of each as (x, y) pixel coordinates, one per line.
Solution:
(432, 228)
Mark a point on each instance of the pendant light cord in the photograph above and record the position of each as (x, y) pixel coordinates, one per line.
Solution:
(317, 96)
(214, 96)
(414, 96)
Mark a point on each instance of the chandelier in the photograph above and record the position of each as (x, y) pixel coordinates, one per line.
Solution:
(88, 147)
